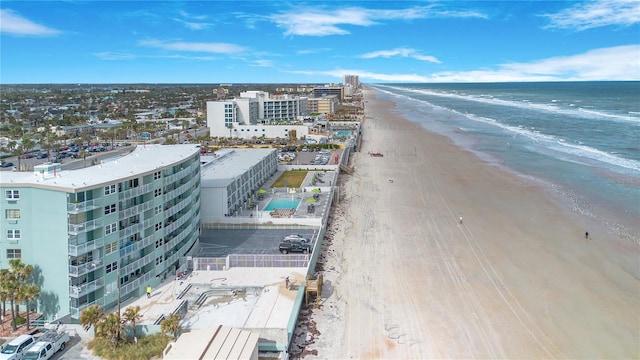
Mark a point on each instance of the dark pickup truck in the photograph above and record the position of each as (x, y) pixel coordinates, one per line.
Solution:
(294, 246)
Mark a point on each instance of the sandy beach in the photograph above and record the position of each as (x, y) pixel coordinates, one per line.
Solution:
(405, 278)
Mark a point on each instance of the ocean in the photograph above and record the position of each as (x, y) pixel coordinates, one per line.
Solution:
(579, 139)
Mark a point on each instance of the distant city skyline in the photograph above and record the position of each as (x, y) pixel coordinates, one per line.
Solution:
(202, 42)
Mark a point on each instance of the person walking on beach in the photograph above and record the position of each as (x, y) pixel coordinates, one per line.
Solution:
(586, 235)
(286, 283)
(148, 291)
(460, 220)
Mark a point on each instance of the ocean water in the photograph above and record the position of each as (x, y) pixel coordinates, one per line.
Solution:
(581, 139)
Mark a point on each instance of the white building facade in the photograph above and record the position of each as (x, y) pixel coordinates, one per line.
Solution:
(231, 179)
(256, 114)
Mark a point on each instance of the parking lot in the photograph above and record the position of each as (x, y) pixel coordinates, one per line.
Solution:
(222, 242)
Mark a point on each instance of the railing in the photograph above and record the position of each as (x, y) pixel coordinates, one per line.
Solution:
(77, 270)
(136, 246)
(127, 269)
(135, 284)
(143, 189)
(76, 311)
(75, 208)
(180, 174)
(126, 213)
(77, 291)
(76, 249)
(130, 230)
(75, 229)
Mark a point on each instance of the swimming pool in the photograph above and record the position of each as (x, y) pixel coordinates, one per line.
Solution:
(342, 133)
(282, 204)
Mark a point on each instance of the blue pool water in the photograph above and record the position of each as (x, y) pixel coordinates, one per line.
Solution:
(282, 204)
(342, 133)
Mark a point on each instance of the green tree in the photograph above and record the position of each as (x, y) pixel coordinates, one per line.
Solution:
(132, 315)
(111, 327)
(28, 293)
(171, 325)
(19, 273)
(91, 316)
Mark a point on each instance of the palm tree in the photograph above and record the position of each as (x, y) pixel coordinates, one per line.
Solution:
(91, 316)
(171, 325)
(29, 293)
(132, 315)
(112, 328)
(5, 293)
(19, 273)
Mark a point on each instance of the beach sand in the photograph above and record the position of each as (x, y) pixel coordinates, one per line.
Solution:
(404, 279)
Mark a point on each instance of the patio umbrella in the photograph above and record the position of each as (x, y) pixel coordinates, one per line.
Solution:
(315, 190)
(262, 191)
(311, 200)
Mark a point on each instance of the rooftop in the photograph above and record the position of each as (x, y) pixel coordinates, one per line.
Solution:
(143, 159)
(220, 168)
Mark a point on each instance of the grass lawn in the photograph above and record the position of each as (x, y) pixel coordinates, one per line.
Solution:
(293, 178)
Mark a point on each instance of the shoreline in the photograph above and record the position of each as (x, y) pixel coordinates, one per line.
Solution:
(516, 278)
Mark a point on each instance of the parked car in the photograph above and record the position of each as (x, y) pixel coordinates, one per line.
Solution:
(295, 237)
(15, 349)
(42, 155)
(294, 246)
(6, 164)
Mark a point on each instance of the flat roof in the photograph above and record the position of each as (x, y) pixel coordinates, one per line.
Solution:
(143, 159)
(223, 166)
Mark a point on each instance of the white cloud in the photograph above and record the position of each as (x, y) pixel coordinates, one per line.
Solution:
(262, 63)
(594, 14)
(12, 23)
(401, 52)
(109, 55)
(329, 22)
(313, 51)
(193, 25)
(614, 63)
(218, 48)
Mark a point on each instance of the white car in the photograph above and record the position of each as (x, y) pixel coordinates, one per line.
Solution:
(296, 237)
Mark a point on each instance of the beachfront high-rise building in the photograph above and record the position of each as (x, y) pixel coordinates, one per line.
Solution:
(351, 81)
(329, 90)
(257, 114)
(103, 233)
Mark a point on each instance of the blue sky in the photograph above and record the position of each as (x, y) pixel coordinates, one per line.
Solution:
(317, 42)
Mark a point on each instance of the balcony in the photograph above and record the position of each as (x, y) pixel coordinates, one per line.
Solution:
(78, 270)
(76, 208)
(75, 229)
(75, 311)
(138, 245)
(127, 194)
(127, 269)
(76, 248)
(78, 291)
(126, 213)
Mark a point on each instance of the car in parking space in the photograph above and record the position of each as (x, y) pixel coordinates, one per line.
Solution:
(295, 237)
(42, 155)
(6, 164)
(294, 246)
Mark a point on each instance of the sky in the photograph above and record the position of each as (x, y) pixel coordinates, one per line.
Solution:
(263, 41)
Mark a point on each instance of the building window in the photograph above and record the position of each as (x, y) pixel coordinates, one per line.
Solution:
(158, 226)
(110, 189)
(109, 248)
(133, 183)
(158, 243)
(157, 175)
(12, 194)
(109, 209)
(13, 234)
(112, 267)
(157, 192)
(159, 260)
(14, 253)
(157, 210)
(110, 228)
(13, 214)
